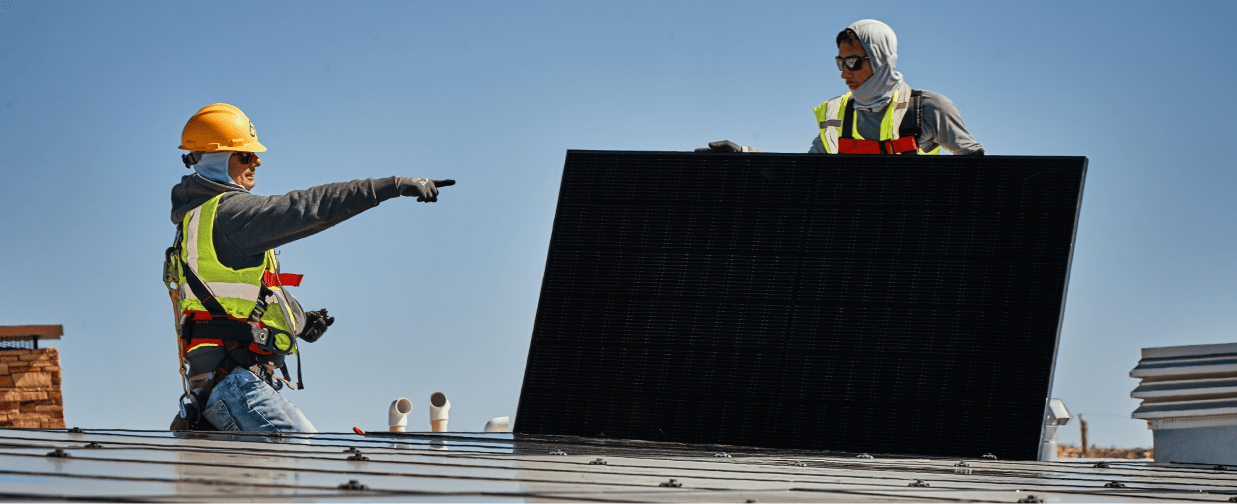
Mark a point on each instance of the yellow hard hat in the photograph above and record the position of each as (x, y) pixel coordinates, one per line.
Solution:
(220, 127)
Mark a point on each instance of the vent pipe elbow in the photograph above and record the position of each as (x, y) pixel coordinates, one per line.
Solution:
(498, 424)
(439, 405)
(397, 416)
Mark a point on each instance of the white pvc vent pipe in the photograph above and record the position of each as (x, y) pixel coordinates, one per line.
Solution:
(439, 405)
(498, 424)
(397, 416)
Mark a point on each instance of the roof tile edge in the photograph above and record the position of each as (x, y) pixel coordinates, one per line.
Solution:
(44, 332)
(1187, 350)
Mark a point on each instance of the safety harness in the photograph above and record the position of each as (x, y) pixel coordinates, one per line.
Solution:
(258, 342)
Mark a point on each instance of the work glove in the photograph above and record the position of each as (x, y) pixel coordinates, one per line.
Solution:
(424, 189)
(316, 323)
(722, 146)
(727, 146)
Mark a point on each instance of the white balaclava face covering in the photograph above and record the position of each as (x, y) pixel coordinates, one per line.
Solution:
(881, 45)
(214, 166)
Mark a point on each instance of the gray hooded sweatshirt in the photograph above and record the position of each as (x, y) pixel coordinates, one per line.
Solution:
(942, 126)
(247, 225)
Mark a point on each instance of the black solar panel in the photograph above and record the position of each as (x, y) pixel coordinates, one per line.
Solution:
(880, 304)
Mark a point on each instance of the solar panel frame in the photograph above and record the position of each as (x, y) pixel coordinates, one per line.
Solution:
(735, 298)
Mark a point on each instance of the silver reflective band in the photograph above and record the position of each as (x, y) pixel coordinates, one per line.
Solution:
(224, 290)
(191, 237)
(836, 123)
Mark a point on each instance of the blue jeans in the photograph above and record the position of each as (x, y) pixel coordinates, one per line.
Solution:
(243, 402)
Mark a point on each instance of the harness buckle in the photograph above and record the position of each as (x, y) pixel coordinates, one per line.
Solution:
(261, 336)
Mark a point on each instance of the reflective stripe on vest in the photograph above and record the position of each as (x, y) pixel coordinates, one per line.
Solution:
(831, 114)
(235, 290)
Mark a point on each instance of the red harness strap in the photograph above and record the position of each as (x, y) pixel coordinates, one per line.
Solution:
(282, 280)
(203, 315)
(898, 146)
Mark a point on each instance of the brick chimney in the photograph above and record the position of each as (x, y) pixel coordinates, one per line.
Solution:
(30, 378)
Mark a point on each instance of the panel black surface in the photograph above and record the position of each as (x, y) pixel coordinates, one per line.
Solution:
(881, 304)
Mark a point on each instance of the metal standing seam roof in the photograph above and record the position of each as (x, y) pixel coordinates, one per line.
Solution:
(129, 465)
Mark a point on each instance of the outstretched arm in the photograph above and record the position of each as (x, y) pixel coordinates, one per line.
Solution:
(250, 224)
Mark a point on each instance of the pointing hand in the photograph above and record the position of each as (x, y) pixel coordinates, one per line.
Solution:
(426, 190)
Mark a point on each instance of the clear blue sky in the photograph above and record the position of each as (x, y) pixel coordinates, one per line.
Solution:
(93, 96)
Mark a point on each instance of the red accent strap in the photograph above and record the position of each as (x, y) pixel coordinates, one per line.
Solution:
(253, 347)
(904, 144)
(195, 342)
(283, 280)
(204, 315)
(852, 146)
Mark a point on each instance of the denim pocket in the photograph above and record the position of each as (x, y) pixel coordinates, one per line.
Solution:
(221, 417)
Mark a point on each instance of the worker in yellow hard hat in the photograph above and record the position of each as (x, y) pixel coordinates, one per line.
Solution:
(237, 320)
(881, 114)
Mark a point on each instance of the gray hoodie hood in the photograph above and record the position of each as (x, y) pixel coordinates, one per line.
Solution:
(881, 45)
(193, 190)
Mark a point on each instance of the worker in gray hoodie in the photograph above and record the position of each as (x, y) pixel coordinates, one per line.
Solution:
(237, 320)
(881, 114)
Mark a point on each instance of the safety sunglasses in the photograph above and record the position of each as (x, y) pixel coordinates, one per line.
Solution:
(853, 63)
(246, 157)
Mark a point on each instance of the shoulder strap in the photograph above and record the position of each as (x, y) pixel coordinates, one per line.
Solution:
(199, 288)
(912, 122)
(848, 120)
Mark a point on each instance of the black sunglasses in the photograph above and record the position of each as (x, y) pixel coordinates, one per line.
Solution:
(246, 157)
(853, 63)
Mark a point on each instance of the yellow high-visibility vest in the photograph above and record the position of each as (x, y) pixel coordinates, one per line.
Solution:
(831, 114)
(236, 291)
